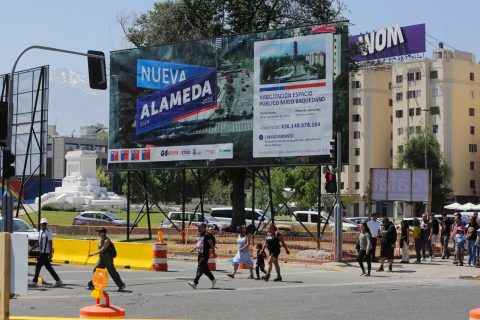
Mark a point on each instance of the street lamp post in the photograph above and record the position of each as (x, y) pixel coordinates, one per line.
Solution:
(425, 147)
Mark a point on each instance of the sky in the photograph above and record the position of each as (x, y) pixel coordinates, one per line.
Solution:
(93, 25)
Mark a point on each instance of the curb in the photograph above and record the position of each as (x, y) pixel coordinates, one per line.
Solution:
(476, 277)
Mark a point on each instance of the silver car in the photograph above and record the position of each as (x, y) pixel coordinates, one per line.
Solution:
(99, 218)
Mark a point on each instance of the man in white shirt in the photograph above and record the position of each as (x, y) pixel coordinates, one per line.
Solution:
(45, 245)
(374, 227)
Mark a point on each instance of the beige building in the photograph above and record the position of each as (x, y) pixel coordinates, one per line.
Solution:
(441, 95)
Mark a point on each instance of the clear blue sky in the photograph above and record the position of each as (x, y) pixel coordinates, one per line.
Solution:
(92, 24)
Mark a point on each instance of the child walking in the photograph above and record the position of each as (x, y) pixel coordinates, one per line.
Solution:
(260, 264)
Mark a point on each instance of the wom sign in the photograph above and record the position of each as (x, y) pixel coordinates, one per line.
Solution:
(390, 42)
(412, 185)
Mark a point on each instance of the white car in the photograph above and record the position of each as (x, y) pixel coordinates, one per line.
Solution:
(21, 227)
(175, 217)
(311, 217)
(225, 214)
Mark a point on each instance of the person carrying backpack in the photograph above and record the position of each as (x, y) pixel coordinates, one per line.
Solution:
(107, 252)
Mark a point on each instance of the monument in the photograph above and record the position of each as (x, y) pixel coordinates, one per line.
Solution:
(81, 187)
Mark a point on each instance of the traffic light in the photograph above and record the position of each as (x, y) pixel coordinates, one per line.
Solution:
(333, 151)
(330, 182)
(97, 75)
(3, 122)
(8, 165)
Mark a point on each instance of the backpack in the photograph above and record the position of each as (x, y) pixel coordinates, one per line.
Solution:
(113, 251)
(417, 233)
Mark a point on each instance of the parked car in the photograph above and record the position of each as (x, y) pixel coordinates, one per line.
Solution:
(99, 218)
(21, 227)
(225, 214)
(311, 217)
(176, 218)
(360, 220)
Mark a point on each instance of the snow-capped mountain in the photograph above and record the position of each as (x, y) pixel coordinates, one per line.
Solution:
(73, 104)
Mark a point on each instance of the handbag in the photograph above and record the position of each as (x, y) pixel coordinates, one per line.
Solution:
(357, 246)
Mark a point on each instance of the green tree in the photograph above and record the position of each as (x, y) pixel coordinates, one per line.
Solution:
(103, 178)
(413, 156)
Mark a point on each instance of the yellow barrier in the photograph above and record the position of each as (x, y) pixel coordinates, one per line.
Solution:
(129, 255)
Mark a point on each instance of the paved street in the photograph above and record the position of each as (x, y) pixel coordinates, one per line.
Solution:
(429, 291)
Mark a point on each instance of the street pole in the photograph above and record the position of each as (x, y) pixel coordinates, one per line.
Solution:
(425, 148)
(7, 210)
(338, 206)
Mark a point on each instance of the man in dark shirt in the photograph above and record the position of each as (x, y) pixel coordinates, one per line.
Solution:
(203, 245)
(445, 235)
(434, 230)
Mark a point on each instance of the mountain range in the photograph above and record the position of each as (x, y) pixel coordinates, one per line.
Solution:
(73, 104)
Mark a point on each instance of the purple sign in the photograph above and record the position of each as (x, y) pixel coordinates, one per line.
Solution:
(390, 42)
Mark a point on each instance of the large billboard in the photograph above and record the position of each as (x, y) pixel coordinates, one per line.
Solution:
(390, 41)
(411, 185)
(246, 100)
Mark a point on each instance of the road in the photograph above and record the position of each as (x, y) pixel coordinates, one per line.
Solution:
(429, 291)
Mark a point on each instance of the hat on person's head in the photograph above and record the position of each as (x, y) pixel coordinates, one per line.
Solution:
(202, 224)
(43, 220)
(103, 230)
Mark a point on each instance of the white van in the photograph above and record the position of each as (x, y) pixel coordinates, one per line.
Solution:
(225, 214)
(311, 217)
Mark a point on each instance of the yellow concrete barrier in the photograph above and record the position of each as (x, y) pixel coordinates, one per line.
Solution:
(129, 255)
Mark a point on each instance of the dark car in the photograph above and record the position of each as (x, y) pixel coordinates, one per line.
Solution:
(99, 218)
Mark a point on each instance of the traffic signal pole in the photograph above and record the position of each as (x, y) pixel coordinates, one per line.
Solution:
(7, 200)
(338, 206)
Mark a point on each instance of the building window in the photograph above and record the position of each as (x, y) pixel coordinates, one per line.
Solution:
(472, 94)
(418, 129)
(49, 147)
(357, 168)
(472, 129)
(418, 111)
(413, 94)
(357, 185)
(411, 112)
(434, 110)
(356, 134)
(418, 75)
(355, 118)
(399, 131)
(357, 101)
(399, 79)
(472, 165)
(471, 112)
(472, 76)
(357, 151)
(434, 74)
(435, 128)
(411, 130)
(472, 184)
(399, 96)
(355, 84)
(472, 147)
(390, 102)
(389, 85)
(410, 76)
(341, 185)
(399, 114)
(400, 148)
(71, 146)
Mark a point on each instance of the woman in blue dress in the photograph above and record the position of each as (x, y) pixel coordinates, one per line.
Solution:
(243, 254)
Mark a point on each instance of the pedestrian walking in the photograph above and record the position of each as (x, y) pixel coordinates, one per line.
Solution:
(374, 228)
(272, 243)
(45, 245)
(417, 236)
(471, 230)
(426, 230)
(243, 253)
(387, 245)
(445, 235)
(434, 231)
(203, 245)
(404, 241)
(477, 246)
(260, 264)
(107, 253)
(459, 238)
(364, 248)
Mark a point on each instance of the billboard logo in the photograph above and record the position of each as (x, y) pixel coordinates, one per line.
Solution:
(390, 42)
(145, 154)
(260, 137)
(152, 74)
(124, 155)
(188, 98)
(185, 151)
(114, 156)
(135, 154)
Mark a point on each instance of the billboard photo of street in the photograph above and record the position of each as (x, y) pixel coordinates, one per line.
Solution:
(293, 61)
